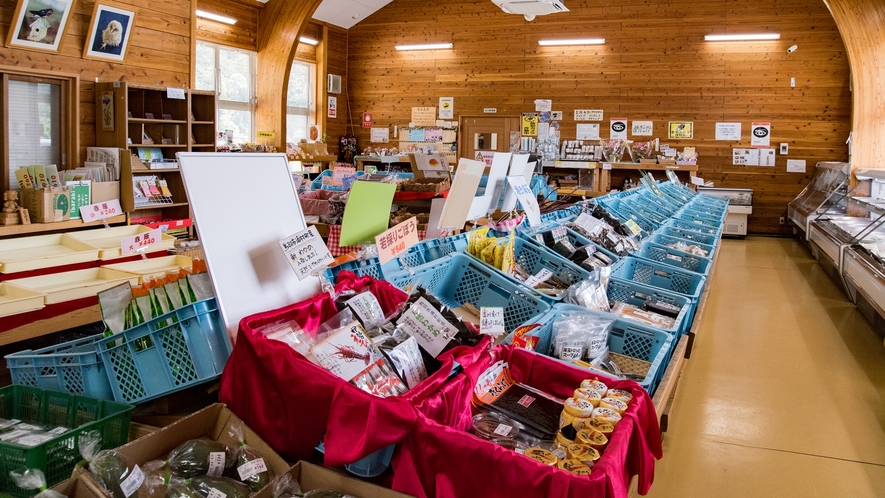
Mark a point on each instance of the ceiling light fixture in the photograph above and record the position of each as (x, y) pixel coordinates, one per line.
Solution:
(580, 41)
(215, 17)
(750, 37)
(426, 46)
(309, 41)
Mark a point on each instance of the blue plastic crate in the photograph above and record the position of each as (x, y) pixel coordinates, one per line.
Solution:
(711, 212)
(674, 257)
(636, 294)
(654, 213)
(668, 240)
(627, 338)
(317, 183)
(680, 230)
(367, 267)
(433, 249)
(659, 275)
(576, 240)
(665, 205)
(73, 367)
(624, 212)
(559, 215)
(675, 193)
(179, 349)
(690, 214)
(458, 278)
(533, 258)
(711, 200)
(698, 224)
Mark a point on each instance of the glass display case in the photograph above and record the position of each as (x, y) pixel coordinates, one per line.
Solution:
(740, 205)
(829, 179)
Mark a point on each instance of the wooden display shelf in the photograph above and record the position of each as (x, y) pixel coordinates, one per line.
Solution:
(180, 146)
(34, 228)
(160, 206)
(203, 123)
(566, 192)
(37, 328)
(157, 121)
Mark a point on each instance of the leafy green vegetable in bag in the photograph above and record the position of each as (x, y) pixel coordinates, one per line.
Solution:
(204, 485)
(199, 457)
(250, 468)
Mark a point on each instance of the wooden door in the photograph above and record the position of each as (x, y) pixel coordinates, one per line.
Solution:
(486, 133)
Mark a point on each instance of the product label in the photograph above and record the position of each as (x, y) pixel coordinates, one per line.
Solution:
(214, 493)
(538, 278)
(595, 347)
(560, 454)
(409, 359)
(33, 439)
(491, 320)
(367, 308)
(9, 436)
(216, 463)
(612, 237)
(130, 485)
(570, 353)
(251, 469)
(587, 222)
(526, 401)
(423, 322)
(636, 229)
(346, 352)
(142, 241)
(503, 430)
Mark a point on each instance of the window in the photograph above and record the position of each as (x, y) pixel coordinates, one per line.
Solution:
(301, 101)
(231, 74)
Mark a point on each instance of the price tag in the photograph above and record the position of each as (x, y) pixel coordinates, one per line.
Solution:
(214, 493)
(252, 468)
(141, 241)
(636, 229)
(559, 453)
(130, 485)
(100, 210)
(423, 322)
(541, 276)
(587, 222)
(306, 252)
(175, 93)
(491, 320)
(503, 430)
(697, 181)
(607, 166)
(340, 172)
(393, 242)
(216, 463)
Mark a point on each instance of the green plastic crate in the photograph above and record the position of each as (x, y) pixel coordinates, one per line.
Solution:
(58, 456)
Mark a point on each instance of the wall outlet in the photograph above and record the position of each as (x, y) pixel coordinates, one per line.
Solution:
(784, 149)
(783, 220)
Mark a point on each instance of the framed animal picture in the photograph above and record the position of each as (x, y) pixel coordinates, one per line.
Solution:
(39, 24)
(110, 32)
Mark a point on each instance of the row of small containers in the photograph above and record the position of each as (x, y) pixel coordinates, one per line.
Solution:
(423, 435)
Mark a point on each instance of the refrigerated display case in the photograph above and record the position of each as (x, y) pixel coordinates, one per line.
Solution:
(829, 179)
(740, 205)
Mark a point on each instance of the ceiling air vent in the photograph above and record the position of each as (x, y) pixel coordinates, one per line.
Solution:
(531, 8)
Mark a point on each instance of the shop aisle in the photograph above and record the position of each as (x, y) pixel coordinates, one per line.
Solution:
(784, 394)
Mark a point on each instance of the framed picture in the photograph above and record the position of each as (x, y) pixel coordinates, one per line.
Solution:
(110, 32)
(39, 24)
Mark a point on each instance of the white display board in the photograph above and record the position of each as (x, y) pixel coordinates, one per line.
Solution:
(488, 202)
(518, 167)
(243, 205)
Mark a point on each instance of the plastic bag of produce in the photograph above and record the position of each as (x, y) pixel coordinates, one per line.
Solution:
(208, 486)
(116, 473)
(286, 487)
(34, 479)
(199, 457)
(251, 469)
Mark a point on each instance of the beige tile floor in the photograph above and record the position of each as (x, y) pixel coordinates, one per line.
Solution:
(784, 394)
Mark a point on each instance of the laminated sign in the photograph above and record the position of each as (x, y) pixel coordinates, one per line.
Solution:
(306, 252)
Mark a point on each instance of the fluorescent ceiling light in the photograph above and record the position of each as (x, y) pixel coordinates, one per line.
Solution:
(427, 46)
(215, 17)
(580, 41)
(758, 36)
(309, 41)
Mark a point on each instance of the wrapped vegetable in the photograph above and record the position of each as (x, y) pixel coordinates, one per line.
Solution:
(113, 471)
(326, 493)
(286, 487)
(34, 479)
(251, 468)
(208, 486)
(199, 457)
(181, 488)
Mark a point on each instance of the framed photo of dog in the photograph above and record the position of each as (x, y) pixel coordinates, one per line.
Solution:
(110, 32)
(39, 24)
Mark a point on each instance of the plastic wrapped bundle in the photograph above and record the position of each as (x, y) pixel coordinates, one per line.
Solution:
(34, 479)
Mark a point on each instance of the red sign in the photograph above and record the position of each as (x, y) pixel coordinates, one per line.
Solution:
(367, 120)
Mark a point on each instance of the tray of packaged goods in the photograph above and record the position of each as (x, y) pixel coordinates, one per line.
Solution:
(14, 300)
(68, 286)
(44, 251)
(153, 267)
(109, 240)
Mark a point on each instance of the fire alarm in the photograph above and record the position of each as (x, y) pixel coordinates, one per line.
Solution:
(367, 120)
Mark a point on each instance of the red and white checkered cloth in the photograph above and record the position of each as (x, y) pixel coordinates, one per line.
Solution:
(335, 238)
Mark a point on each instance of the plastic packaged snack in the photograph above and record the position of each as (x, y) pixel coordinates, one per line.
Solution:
(250, 467)
(201, 457)
(34, 479)
(579, 332)
(210, 487)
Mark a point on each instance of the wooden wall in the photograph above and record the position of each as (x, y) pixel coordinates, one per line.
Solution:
(242, 35)
(655, 66)
(159, 52)
(336, 63)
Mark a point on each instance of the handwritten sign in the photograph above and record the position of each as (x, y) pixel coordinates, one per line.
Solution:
(536, 279)
(642, 128)
(424, 116)
(491, 320)
(588, 114)
(423, 322)
(141, 241)
(395, 241)
(340, 172)
(526, 198)
(306, 252)
(100, 210)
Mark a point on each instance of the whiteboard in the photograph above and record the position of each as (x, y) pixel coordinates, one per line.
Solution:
(243, 205)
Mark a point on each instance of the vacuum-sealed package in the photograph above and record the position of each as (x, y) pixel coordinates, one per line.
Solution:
(536, 412)
(250, 467)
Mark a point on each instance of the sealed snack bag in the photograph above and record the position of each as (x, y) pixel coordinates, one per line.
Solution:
(34, 479)
(251, 468)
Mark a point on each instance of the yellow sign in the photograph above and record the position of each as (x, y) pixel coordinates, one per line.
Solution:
(529, 125)
(681, 129)
(266, 134)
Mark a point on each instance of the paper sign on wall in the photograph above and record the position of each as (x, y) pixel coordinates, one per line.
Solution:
(424, 116)
(680, 129)
(588, 132)
(760, 135)
(446, 107)
(542, 105)
(728, 131)
(642, 128)
(526, 199)
(332, 107)
(100, 210)
(795, 165)
(417, 135)
(529, 126)
(380, 135)
(695, 180)
(766, 157)
(745, 157)
(306, 252)
(140, 242)
(367, 212)
(618, 128)
(588, 114)
(395, 241)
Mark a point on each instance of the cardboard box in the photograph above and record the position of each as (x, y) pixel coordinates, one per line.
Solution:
(213, 422)
(312, 477)
(47, 205)
(105, 191)
(79, 486)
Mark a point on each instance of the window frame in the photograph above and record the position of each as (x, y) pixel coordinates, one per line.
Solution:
(311, 109)
(233, 105)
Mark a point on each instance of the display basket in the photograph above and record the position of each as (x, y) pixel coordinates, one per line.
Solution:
(625, 212)
(666, 204)
(673, 257)
(58, 456)
(627, 338)
(684, 231)
(712, 212)
(669, 240)
(636, 294)
(559, 215)
(574, 238)
(317, 183)
(662, 276)
(653, 212)
(177, 350)
(677, 193)
(364, 267)
(699, 224)
(73, 367)
(459, 278)
(711, 200)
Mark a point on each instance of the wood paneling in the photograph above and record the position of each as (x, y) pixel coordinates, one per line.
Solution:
(240, 35)
(336, 63)
(158, 53)
(654, 66)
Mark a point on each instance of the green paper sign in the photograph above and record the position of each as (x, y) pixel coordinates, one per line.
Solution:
(367, 212)
(79, 197)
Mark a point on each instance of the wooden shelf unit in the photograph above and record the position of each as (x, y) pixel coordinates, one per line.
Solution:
(597, 178)
(174, 125)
